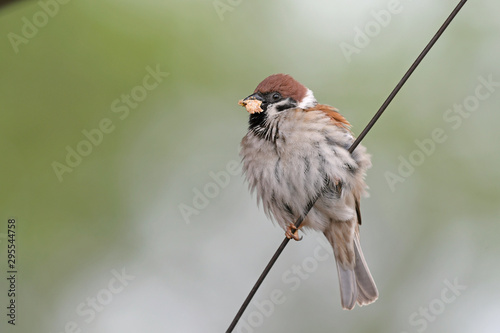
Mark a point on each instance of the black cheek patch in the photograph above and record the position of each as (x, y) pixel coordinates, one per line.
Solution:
(290, 104)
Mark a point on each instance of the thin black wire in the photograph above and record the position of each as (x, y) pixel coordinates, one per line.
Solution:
(351, 149)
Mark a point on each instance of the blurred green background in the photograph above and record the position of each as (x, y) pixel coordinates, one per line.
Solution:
(121, 240)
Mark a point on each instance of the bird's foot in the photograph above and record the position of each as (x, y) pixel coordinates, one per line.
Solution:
(292, 232)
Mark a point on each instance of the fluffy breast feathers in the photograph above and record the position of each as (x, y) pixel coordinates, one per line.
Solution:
(308, 149)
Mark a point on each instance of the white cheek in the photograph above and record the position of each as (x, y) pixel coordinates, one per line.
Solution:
(271, 111)
(308, 101)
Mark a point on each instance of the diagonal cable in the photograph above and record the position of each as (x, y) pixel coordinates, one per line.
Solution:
(351, 149)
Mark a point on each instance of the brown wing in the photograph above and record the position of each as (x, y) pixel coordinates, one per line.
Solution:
(333, 114)
(341, 122)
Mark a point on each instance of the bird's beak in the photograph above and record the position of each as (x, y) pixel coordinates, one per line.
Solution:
(252, 103)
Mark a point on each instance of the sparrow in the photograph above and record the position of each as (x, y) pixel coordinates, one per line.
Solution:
(297, 149)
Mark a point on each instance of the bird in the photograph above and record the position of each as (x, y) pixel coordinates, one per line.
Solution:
(296, 150)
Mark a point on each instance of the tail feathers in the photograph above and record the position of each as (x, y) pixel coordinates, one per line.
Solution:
(367, 290)
(348, 287)
(356, 285)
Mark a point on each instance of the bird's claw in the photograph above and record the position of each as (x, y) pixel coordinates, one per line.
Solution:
(293, 232)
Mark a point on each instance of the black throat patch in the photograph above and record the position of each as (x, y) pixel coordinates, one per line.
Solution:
(257, 123)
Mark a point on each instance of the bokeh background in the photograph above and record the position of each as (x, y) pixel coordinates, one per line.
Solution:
(119, 211)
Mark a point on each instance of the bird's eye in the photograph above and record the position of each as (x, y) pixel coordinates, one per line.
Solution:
(276, 96)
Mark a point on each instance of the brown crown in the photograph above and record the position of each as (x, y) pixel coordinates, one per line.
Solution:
(286, 85)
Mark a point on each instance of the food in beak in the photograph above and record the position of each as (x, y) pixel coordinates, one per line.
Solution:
(252, 105)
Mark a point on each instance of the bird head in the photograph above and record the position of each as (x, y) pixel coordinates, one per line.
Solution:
(277, 93)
